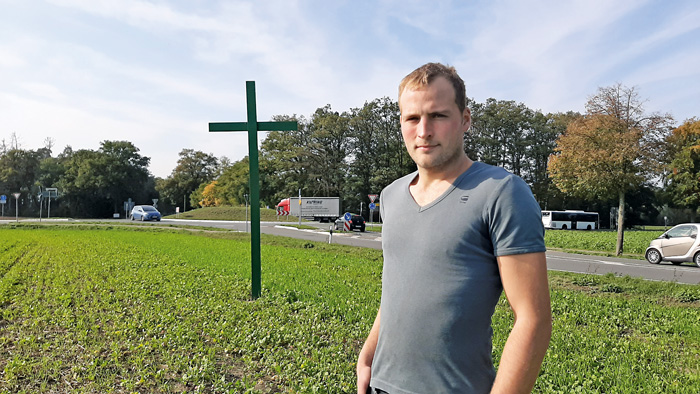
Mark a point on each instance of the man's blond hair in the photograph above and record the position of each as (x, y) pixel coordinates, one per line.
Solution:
(425, 74)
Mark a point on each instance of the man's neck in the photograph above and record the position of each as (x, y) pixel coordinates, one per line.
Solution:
(429, 176)
(431, 183)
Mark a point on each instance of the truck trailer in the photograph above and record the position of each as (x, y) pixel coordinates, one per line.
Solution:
(324, 209)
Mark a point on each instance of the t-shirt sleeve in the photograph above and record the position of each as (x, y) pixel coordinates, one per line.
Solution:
(515, 219)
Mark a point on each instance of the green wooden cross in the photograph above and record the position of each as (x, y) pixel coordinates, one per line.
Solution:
(253, 126)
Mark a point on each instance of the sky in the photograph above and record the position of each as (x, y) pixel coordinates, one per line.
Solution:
(156, 72)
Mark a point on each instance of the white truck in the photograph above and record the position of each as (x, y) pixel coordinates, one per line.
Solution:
(324, 209)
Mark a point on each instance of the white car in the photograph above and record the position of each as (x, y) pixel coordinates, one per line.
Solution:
(677, 245)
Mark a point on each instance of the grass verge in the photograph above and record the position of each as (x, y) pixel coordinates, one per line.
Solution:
(231, 213)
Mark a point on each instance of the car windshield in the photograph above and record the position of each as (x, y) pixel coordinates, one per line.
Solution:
(149, 209)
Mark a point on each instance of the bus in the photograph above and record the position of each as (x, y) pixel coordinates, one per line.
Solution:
(570, 220)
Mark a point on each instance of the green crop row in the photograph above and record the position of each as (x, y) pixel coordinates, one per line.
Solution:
(142, 310)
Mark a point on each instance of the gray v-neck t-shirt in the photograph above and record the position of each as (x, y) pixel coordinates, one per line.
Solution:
(441, 281)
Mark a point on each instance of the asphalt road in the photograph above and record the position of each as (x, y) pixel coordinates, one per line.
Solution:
(557, 261)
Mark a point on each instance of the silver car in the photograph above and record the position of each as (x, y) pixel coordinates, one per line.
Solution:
(145, 212)
(677, 245)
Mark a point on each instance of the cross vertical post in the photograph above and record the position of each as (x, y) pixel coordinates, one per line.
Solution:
(254, 184)
(252, 126)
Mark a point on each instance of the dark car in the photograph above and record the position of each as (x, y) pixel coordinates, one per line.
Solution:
(145, 212)
(356, 222)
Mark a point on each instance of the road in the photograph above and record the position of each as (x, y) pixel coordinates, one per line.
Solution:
(557, 261)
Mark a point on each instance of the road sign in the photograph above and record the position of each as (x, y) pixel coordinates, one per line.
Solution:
(372, 206)
(3, 199)
(372, 197)
(347, 216)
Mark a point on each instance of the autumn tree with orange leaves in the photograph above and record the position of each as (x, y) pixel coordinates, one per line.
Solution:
(684, 165)
(610, 151)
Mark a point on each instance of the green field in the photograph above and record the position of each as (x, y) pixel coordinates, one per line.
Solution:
(600, 242)
(96, 309)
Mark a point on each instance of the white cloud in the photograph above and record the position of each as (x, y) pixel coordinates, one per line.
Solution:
(43, 90)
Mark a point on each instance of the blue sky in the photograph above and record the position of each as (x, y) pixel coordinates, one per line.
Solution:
(155, 72)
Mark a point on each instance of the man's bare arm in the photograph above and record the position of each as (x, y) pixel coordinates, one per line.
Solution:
(525, 283)
(364, 360)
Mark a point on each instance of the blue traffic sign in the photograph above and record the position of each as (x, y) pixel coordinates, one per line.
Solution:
(347, 216)
(372, 206)
(3, 198)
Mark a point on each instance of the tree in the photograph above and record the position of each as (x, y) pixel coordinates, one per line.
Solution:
(18, 172)
(209, 195)
(193, 169)
(97, 183)
(234, 183)
(377, 155)
(545, 131)
(683, 145)
(326, 152)
(512, 136)
(501, 134)
(82, 196)
(123, 173)
(282, 168)
(610, 151)
(18, 169)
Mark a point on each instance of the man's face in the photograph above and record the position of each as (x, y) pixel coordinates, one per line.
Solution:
(433, 126)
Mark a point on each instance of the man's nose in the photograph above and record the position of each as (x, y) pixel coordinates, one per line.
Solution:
(424, 128)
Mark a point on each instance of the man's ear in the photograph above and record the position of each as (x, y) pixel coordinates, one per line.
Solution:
(467, 119)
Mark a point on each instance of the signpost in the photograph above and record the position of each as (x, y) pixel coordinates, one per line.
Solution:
(3, 201)
(346, 221)
(128, 206)
(372, 207)
(51, 190)
(41, 202)
(252, 126)
(16, 195)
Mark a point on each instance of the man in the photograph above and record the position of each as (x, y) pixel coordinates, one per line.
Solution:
(456, 233)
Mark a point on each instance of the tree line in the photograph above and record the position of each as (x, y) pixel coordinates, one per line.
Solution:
(614, 157)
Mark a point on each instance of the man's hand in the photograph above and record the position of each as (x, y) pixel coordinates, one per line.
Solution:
(364, 374)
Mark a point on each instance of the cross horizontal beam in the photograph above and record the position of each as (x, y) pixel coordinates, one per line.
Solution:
(243, 126)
